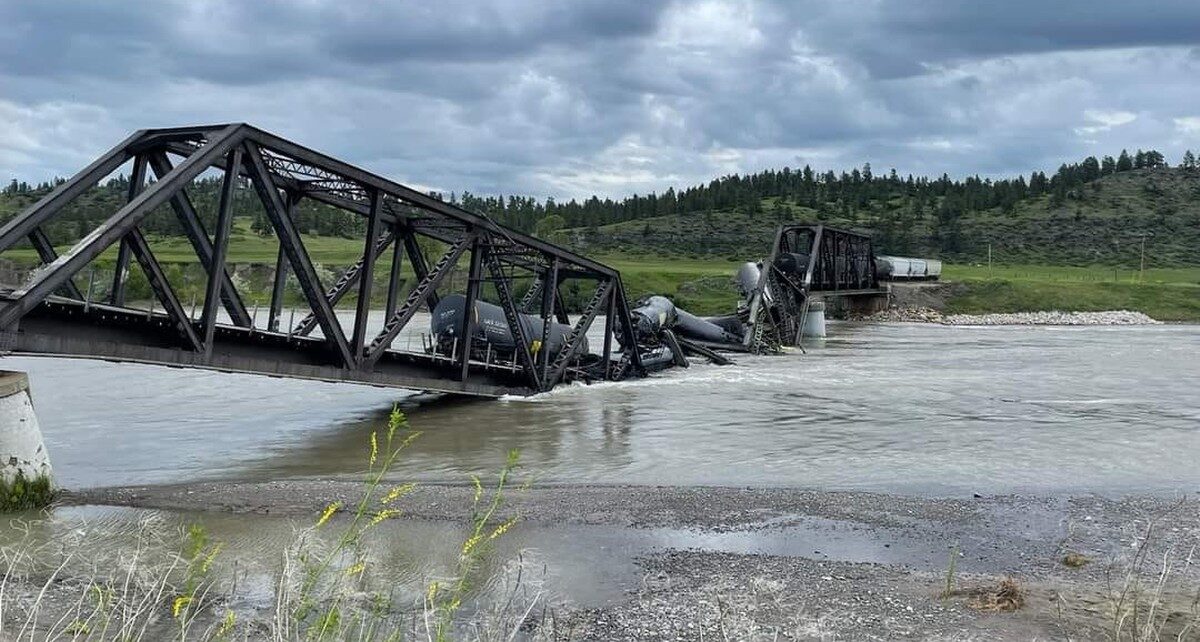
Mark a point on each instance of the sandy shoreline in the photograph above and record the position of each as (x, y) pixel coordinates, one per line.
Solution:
(884, 585)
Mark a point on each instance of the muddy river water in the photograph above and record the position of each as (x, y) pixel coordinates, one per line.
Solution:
(907, 409)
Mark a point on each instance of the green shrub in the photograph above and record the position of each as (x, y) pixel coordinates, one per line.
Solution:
(22, 493)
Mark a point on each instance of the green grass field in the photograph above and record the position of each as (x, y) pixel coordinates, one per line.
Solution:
(700, 286)
(244, 247)
(704, 286)
(1167, 294)
(1072, 274)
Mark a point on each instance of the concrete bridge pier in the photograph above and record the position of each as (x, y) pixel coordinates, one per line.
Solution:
(855, 304)
(26, 478)
(814, 321)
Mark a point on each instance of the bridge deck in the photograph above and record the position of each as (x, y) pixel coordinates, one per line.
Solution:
(73, 329)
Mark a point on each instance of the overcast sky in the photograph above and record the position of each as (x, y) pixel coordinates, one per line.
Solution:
(559, 98)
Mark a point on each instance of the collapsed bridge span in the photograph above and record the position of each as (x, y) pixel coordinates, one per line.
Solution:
(62, 311)
(807, 264)
(505, 331)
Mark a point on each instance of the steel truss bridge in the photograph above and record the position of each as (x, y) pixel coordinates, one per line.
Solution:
(51, 314)
(808, 261)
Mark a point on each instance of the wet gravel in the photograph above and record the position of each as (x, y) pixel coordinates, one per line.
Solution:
(1112, 317)
(931, 315)
(695, 595)
(886, 587)
(714, 508)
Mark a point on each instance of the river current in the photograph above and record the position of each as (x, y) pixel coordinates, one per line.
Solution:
(907, 408)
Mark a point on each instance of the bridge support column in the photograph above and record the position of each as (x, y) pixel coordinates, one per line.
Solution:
(867, 305)
(814, 321)
(25, 473)
(841, 307)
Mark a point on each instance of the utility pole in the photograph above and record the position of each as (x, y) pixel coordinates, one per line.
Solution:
(1142, 269)
(989, 260)
(1116, 258)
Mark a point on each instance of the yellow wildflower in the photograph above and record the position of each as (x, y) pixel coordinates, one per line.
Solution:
(470, 544)
(478, 487)
(374, 448)
(396, 420)
(212, 555)
(227, 624)
(386, 513)
(503, 528)
(180, 603)
(398, 492)
(356, 569)
(329, 511)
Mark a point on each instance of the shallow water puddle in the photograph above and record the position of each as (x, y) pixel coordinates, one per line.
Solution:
(582, 565)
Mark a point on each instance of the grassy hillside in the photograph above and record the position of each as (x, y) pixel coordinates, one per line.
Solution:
(1101, 222)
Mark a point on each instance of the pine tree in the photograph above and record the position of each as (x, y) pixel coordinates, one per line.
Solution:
(1124, 162)
(1108, 166)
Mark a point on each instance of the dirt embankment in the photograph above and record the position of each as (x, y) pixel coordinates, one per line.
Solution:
(924, 296)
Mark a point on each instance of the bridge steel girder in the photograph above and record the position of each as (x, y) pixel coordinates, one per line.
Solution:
(49, 315)
(351, 278)
(628, 334)
(220, 247)
(395, 280)
(840, 262)
(302, 266)
(571, 343)
(467, 331)
(512, 315)
(428, 283)
(137, 179)
(549, 296)
(420, 266)
(43, 283)
(279, 279)
(163, 290)
(193, 229)
(33, 217)
(366, 275)
(45, 249)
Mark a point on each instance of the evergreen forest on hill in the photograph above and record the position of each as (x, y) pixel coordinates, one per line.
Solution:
(1096, 211)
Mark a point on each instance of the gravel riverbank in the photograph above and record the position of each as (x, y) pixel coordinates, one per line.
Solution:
(779, 563)
(929, 315)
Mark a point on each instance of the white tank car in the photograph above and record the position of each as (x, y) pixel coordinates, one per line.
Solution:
(899, 268)
(892, 267)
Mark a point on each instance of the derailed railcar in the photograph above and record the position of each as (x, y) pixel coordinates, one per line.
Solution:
(899, 268)
(492, 336)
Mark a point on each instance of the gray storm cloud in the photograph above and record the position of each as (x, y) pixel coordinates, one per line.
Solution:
(570, 99)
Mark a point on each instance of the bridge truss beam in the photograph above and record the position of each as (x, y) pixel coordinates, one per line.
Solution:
(49, 315)
(806, 259)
